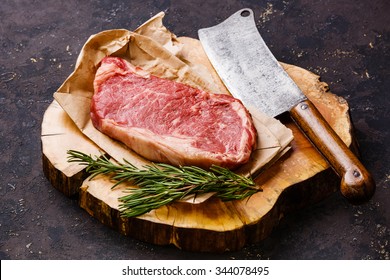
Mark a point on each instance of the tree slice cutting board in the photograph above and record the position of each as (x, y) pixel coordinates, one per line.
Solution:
(300, 178)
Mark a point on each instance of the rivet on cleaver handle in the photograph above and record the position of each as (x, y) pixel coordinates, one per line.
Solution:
(251, 73)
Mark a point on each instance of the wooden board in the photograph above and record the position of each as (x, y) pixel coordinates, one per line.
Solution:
(299, 178)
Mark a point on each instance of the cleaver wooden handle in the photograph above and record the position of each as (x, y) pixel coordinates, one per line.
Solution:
(357, 185)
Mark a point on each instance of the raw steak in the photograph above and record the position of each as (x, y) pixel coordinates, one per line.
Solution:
(167, 121)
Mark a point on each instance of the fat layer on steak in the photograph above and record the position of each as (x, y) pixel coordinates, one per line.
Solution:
(167, 121)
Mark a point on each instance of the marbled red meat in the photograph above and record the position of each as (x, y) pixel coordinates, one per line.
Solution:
(167, 121)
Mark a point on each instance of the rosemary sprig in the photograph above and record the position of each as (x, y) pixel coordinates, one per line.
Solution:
(160, 184)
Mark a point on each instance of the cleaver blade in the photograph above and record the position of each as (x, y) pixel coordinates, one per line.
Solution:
(252, 74)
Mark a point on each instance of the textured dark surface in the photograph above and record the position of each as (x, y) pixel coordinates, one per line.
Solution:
(345, 42)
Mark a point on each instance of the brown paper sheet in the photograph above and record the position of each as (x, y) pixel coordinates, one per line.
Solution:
(158, 51)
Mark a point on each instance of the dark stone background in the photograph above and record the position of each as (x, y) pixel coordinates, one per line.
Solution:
(345, 42)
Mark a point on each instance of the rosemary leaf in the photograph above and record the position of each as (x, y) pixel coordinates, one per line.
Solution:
(159, 184)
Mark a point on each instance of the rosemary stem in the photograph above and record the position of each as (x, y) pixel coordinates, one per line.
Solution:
(160, 184)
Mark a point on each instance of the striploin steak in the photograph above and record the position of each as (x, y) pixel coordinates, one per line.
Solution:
(167, 121)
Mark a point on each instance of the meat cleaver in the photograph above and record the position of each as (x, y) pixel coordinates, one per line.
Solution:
(252, 74)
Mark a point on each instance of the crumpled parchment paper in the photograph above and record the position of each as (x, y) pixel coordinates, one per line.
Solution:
(155, 49)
